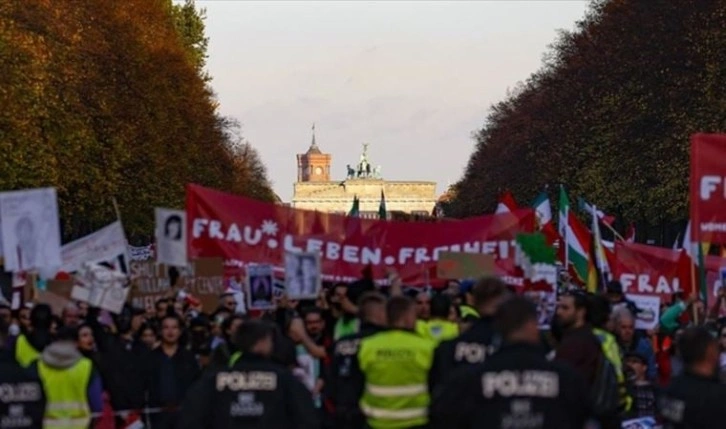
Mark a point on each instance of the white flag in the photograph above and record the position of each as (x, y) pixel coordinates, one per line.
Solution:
(30, 229)
(171, 237)
(104, 245)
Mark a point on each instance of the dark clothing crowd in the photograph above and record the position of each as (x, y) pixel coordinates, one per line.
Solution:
(470, 355)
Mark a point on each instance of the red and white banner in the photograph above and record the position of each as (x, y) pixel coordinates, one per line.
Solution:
(651, 270)
(708, 188)
(246, 231)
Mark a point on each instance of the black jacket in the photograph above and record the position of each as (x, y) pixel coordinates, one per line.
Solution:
(346, 381)
(692, 401)
(517, 384)
(255, 393)
(22, 401)
(470, 348)
(185, 369)
(122, 363)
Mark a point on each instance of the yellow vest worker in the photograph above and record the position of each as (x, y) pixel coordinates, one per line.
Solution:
(612, 352)
(25, 353)
(437, 330)
(395, 365)
(65, 375)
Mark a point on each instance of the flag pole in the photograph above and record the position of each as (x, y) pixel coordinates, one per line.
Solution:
(618, 236)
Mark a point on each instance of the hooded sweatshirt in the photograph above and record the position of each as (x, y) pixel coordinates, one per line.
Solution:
(64, 354)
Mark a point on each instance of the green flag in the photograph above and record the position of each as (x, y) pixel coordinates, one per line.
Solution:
(382, 208)
(355, 210)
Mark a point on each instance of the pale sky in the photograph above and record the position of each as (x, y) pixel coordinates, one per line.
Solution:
(413, 79)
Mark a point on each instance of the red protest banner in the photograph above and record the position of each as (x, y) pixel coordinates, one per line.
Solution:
(651, 270)
(708, 188)
(246, 231)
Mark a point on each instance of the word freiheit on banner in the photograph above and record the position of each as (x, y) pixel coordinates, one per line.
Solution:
(334, 251)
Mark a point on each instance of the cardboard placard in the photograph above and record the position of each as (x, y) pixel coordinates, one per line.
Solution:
(203, 279)
(56, 302)
(460, 265)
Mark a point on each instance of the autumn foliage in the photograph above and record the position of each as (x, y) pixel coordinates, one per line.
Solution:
(104, 99)
(610, 113)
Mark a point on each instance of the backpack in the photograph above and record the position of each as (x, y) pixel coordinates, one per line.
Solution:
(604, 393)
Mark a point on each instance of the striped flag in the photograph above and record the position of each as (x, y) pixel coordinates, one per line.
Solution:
(506, 203)
(577, 242)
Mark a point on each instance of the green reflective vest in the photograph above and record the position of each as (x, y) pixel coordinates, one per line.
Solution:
(612, 352)
(344, 328)
(396, 364)
(66, 391)
(468, 311)
(25, 353)
(437, 330)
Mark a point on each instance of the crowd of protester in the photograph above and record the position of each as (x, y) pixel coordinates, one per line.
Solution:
(149, 364)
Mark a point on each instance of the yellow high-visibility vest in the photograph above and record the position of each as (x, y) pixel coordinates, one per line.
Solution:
(396, 364)
(66, 392)
(25, 353)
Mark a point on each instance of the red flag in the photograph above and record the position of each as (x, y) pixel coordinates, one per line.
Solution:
(630, 233)
(506, 203)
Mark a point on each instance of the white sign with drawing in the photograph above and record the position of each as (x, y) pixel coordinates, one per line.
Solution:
(648, 311)
(104, 245)
(101, 287)
(30, 229)
(302, 275)
(171, 240)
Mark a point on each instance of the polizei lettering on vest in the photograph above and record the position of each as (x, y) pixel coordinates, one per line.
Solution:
(543, 384)
(254, 380)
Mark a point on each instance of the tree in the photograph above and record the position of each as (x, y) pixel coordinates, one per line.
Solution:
(189, 24)
(102, 101)
(610, 112)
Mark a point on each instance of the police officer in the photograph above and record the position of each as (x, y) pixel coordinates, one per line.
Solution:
(476, 343)
(253, 393)
(22, 401)
(517, 387)
(30, 345)
(346, 384)
(694, 399)
(395, 364)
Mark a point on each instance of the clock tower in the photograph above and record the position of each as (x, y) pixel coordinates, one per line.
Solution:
(313, 165)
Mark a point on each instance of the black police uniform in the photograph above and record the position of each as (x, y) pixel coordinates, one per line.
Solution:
(22, 401)
(470, 348)
(516, 387)
(255, 393)
(692, 401)
(346, 382)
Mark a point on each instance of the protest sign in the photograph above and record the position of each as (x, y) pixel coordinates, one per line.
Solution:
(104, 245)
(260, 287)
(648, 311)
(546, 302)
(202, 278)
(708, 188)
(101, 287)
(171, 242)
(459, 265)
(30, 229)
(302, 275)
(245, 231)
(651, 270)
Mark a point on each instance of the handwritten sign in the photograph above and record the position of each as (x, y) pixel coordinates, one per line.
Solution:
(459, 265)
(203, 278)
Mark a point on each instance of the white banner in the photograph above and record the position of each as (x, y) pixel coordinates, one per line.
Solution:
(648, 311)
(30, 229)
(104, 245)
(171, 240)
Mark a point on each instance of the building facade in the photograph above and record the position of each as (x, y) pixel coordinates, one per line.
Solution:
(316, 189)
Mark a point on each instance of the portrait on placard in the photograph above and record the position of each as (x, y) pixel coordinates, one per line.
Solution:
(302, 275)
(546, 302)
(30, 229)
(170, 237)
(260, 288)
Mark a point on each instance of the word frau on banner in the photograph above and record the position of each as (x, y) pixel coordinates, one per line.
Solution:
(101, 287)
(650, 270)
(245, 231)
(202, 279)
